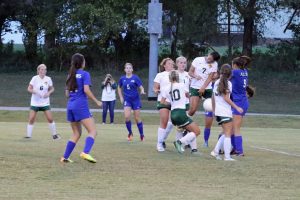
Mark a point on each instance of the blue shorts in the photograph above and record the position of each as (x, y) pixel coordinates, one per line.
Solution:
(244, 104)
(208, 114)
(133, 104)
(78, 114)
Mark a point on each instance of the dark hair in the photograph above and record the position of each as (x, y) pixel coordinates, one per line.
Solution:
(216, 56)
(242, 61)
(76, 63)
(225, 73)
(250, 91)
(162, 64)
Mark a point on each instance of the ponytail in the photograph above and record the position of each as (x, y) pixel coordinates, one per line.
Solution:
(225, 73)
(242, 61)
(77, 62)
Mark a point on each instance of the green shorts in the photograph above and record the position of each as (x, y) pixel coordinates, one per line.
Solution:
(161, 106)
(179, 118)
(37, 108)
(187, 106)
(195, 93)
(223, 120)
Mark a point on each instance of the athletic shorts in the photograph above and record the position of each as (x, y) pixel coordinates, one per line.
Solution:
(244, 104)
(133, 104)
(223, 120)
(78, 114)
(161, 106)
(40, 108)
(187, 106)
(208, 114)
(179, 118)
(195, 93)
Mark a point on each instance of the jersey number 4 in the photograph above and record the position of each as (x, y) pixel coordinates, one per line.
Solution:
(175, 95)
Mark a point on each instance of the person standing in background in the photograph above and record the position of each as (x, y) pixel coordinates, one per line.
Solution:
(108, 98)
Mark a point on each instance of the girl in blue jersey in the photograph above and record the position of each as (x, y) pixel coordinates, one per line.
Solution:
(78, 90)
(130, 84)
(239, 80)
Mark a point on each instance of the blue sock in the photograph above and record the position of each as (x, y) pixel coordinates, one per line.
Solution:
(128, 126)
(69, 148)
(206, 134)
(140, 127)
(233, 142)
(89, 142)
(238, 140)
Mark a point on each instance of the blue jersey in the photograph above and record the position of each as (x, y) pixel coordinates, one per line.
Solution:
(239, 80)
(130, 86)
(78, 97)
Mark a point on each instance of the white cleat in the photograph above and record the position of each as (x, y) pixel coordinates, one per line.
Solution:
(160, 147)
(216, 156)
(229, 159)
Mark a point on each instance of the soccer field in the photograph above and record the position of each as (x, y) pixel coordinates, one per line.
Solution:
(30, 169)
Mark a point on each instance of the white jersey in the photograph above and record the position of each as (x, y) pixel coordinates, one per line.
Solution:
(40, 87)
(202, 69)
(222, 108)
(163, 80)
(185, 78)
(177, 97)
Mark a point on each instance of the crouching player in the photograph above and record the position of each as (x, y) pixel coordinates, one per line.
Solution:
(176, 95)
(222, 108)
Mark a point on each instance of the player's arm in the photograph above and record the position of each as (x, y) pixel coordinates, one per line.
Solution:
(231, 103)
(206, 83)
(164, 101)
(67, 93)
(120, 94)
(192, 73)
(213, 103)
(142, 90)
(89, 93)
(50, 91)
(156, 88)
(30, 89)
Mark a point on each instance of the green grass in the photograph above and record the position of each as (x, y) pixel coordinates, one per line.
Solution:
(30, 169)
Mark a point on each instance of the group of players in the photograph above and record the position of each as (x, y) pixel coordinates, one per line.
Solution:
(179, 95)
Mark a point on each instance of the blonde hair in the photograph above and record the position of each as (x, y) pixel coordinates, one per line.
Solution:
(128, 64)
(180, 58)
(162, 64)
(40, 66)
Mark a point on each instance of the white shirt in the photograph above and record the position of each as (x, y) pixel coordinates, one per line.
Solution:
(222, 108)
(163, 80)
(186, 79)
(40, 87)
(177, 97)
(108, 93)
(203, 69)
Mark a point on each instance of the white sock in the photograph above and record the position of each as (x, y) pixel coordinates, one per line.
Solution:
(227, 147)
(52, 128)
(168, 130)
(179, 135)
(219, 144)
(188, 138)
(160, 135)
(193, 144)
(29, 130)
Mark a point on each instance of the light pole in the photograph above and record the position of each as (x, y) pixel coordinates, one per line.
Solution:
(154, 29)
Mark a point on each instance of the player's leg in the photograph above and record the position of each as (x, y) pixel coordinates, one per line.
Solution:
(164, 114)
(227, 130)
(139, 123)
(194, 104)
(208, 124)
(76, 128)
(51, 124)
(31, 120)
(238, 139)
(127, 115)
(90, 126)
(104, 112)
(112, 111)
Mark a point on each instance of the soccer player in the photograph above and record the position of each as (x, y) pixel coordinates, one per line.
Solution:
(78, 91)
(41, 87)
(177, 95)
(130, 84)
(222, 109)
(202, 72)
(239, 80)
(162, 81)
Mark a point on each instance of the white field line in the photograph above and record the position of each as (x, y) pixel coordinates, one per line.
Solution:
(275, 151)
(3, 108)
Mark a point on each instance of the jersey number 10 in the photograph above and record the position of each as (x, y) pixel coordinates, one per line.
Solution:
(175, 95)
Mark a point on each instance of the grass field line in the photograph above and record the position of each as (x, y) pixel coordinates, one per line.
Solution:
(6, 108)
(275, 151)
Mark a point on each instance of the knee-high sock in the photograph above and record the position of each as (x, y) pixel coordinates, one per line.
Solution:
(219, 144)
(238, 140)
(69, 148)
(168, 130)
(186, 140)
(128, 126)
(227, 147)
(233, 142)
(179, 135)
(29, 130)
(140, 127)
(206, 134)
(160, 135)
(193, 144)
(89, 142)
(52, 128)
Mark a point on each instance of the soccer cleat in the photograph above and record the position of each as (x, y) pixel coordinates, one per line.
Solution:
(205, 144)
(87, 157)
(63, 160)
(178, 146)
(130, 137)
(160, 147)
(195, 152)
(239, 154)
(142, 137)
(216, 156)
(229, 159)
(27, 137)
(56, 137)
(164, 145)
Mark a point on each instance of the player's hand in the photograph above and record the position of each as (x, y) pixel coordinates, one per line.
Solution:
(46, 95)
(121, 100)
(143, 92)
(201, 91)
(198, 77)
(156, 91)
(240, 110)
(99, 103)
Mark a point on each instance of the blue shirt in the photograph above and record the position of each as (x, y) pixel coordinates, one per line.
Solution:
(239, 80)
(130, 86)
(78, 96)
